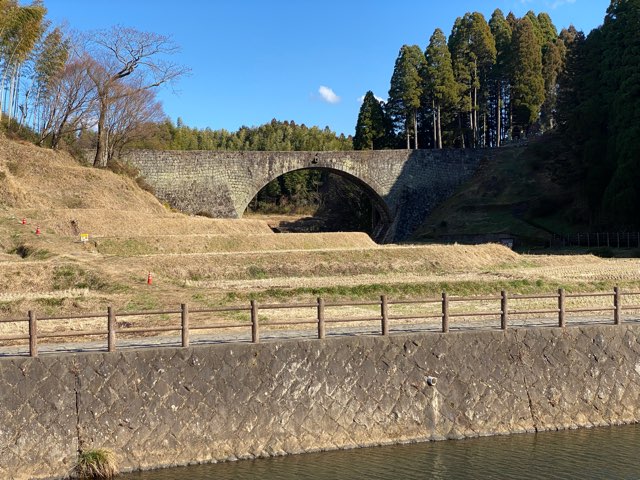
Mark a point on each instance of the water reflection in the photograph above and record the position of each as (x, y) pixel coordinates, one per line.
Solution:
(602, 453)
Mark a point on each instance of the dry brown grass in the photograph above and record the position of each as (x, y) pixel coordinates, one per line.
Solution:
(127, 223)
(231, 242)
(43, 179)
(209, 262)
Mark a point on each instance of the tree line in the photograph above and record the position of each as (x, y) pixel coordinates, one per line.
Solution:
(273, 136)
(599, 115)
(299, 191)
(486, 83)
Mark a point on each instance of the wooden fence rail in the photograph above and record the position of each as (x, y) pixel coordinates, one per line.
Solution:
(598, 239)
(321, 319)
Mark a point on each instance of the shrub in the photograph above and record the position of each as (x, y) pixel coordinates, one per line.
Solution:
(96, 463)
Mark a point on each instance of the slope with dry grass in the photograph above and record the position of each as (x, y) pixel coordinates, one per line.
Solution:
(213, 262)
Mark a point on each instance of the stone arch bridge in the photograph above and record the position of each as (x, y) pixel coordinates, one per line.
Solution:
(404, 185)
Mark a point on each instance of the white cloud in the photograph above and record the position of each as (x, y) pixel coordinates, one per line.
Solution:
(328, 95)
(380, 99)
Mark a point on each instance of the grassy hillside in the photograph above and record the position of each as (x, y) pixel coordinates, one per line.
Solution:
(208, 262)
(523, 190)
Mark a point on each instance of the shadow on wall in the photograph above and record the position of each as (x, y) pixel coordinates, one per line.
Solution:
(427, 179)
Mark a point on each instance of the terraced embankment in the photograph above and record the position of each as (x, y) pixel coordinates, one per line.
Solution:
(209, 262)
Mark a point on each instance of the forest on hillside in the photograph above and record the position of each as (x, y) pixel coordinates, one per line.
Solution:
(488, 82)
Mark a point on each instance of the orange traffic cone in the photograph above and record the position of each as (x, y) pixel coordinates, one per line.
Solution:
(38, 230)
(24, 221)
(149, 278)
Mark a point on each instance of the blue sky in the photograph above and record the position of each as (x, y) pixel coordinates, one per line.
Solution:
(254, 60)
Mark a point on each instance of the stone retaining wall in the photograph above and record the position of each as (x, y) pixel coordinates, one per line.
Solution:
(162, 407)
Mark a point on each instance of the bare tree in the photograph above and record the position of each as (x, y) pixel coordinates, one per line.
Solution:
(129, 118)
(127, 56)
(71, 102)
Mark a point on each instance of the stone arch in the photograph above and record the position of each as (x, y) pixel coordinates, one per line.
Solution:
(405, 185)
(377, 200)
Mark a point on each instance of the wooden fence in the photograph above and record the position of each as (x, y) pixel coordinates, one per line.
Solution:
(385, 320)
(598, 239)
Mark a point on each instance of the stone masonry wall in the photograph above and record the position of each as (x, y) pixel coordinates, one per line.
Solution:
(404, 184)
(161, 407)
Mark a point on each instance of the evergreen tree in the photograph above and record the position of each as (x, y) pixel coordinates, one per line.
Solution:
(527, 89)
(502, 34)
(621, 78)
(552, 63)
(440, 84)
(547, 28)
(537, 28)
(569, 87)
(570, 36)
(473, 52)
(406, 91)
(512, 20)
(371, 129)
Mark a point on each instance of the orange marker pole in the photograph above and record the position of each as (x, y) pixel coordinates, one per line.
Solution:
(149, 278)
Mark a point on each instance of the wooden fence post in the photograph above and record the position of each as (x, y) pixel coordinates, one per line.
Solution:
(617, 303)
(33, 334)
(184, 317)
(111, 330)
(255, 331)
(321, 325)
(504, 315)
(384, 313)
(445, 313)
(561, 315)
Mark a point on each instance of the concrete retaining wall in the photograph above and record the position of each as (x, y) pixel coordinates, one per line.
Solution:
(162, 407)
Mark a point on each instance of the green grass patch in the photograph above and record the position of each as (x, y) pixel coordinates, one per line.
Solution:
(256, 273)
(24, 250)
(51, 302)
(420, 290)
(142, 303)
(124, 248)
(66, 277)
(96, 463)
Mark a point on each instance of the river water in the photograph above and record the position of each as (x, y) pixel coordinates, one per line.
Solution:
(599, 453)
